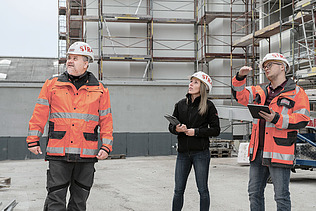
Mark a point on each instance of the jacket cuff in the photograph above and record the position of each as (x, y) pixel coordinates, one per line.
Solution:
(174, 129)
(33, 144)
(240, 78)
(105, 149)
(196, 131)
(276, 118)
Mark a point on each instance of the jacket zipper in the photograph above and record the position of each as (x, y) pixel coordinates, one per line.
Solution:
(189, 111)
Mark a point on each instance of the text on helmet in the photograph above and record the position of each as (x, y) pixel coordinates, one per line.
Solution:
(205, 77)
(277, 55)
(85, 48)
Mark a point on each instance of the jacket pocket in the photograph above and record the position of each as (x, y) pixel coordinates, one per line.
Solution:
(52, 134)
(288, 103)
(91, 136)
(56, 139)
(289, 141)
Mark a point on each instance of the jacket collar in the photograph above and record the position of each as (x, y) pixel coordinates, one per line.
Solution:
(92, 80)
(196, 100)
(289, 86)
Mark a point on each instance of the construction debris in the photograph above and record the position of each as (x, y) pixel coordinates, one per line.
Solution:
(116, 156)
(10, 206)
(5, 182)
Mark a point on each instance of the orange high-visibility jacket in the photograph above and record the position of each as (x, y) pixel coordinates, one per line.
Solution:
(292, 113)
(75, 117)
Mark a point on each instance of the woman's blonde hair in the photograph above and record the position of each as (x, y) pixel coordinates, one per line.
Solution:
(203, 102)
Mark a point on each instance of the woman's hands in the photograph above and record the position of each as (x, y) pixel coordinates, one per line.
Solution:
(190, 132)
(183, 128)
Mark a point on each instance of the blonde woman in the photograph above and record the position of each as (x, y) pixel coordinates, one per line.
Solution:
(199, 121)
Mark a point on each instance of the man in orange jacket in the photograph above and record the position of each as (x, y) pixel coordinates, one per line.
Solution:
(78, 108)
(273, 138)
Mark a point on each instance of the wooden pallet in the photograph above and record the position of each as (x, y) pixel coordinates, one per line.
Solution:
(116, 156)
(220, 152)
(221, 143)
(5, 182)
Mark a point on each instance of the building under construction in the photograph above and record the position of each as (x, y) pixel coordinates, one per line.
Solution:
(146, 49)
(164, 41)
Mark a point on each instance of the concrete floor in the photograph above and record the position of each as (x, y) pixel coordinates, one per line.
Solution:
(146, 183)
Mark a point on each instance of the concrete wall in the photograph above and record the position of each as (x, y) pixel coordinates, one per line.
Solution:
(141, 107)
(137, 108)
(129, 144)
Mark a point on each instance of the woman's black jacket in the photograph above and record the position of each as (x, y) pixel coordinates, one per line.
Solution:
(204, 126)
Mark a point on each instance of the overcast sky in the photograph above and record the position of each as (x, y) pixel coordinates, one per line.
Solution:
(29, 28)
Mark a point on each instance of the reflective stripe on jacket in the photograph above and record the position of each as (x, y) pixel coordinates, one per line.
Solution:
(75, 117)
(292, 113)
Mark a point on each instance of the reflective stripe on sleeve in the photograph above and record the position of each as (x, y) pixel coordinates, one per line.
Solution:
(250, 94)
(239, 88)
(302, 111)
(270, 124)
(42, 101)
(86, 117)
(35, 133)
(107, 141)
(105, 112)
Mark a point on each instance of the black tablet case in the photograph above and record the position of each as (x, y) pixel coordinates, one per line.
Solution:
(254, 110)
(173, 120)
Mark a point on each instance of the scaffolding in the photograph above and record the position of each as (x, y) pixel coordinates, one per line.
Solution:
(303, 39)
(258, 28)
(250, 23)
(112, 46)
(252, 29)
(213, 44)
(290, 26)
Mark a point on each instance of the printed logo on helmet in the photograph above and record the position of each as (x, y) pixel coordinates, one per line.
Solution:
(205, 77)
(276, 55)
(85, 48)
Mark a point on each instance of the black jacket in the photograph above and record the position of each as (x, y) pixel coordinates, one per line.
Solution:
(205, 126)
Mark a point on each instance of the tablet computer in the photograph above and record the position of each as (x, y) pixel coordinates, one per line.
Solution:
(173, 120)
(254, 110)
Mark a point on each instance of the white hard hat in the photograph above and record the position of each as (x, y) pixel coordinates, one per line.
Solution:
(275, 57)
(206, 79)
(81, 48)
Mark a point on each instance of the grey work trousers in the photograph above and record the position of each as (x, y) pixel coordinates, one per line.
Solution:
(61, 175)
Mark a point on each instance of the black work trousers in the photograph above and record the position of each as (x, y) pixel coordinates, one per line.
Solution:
(61, 175)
